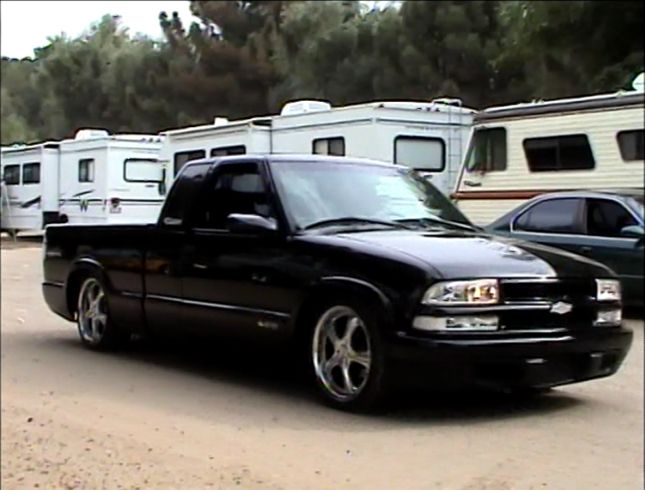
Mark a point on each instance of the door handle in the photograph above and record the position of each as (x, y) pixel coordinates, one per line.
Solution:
(585, 250)
(200, 266)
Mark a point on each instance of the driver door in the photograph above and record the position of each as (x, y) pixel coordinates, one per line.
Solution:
(231, 281)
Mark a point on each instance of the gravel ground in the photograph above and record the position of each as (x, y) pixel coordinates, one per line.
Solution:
(195, 418)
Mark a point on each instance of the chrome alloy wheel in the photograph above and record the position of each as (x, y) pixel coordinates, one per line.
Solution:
(92, 311)
(341, 352)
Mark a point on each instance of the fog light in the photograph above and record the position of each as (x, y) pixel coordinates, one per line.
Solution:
(609, 318)
(483, 323)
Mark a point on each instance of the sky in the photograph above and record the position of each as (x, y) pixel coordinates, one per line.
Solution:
(26, 24)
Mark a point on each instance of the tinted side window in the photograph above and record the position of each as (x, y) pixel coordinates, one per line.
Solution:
(223, 151)
(631, 145)
(182, 157)
(420, 153)
(570, 152)
(487, 152)
(31, 173)
(11, 175)
(607, 218)
(329, 146)
(182, 194)
(552, 216)
(86, 170)
(237, 188)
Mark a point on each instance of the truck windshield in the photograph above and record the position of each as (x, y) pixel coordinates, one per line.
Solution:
(312, 192)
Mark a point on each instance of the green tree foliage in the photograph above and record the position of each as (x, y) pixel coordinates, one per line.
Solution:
(573, 48)
(246, 58)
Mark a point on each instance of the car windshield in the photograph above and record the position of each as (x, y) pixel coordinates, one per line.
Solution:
(345, 192)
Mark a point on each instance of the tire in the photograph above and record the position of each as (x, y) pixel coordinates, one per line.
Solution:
(95, 327)
(347, 356)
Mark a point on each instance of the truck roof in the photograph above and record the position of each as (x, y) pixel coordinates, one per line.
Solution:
(278, 158)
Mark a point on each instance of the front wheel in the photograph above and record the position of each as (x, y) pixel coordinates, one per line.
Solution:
(95, 327)
(347, 357)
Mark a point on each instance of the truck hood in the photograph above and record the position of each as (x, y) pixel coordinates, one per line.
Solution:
(457, 254)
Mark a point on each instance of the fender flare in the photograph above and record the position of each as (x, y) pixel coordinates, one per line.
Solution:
(334, 284)
(79, 266)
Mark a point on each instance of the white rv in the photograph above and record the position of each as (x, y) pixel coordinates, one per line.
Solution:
(29, 186)
(110, 178)
(517, 152)
(428, 136)
(218, 139)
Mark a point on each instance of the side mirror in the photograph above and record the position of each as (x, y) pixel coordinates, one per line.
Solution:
(251, 224)
(633, 231)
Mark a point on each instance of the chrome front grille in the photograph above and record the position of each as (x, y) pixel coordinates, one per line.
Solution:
(574, 291)
(548, 296)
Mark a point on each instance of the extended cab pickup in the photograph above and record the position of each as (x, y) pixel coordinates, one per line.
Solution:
(365, 265)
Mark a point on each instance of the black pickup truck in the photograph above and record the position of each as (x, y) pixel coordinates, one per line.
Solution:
(365, 267)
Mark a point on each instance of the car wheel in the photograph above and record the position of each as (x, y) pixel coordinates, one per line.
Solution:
(347, 357)
(95, 327)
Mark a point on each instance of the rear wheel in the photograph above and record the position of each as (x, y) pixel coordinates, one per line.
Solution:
(95, 328)
(347, 357)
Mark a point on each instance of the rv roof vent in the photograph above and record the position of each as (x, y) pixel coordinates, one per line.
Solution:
(85, 134)
(447, 101)
(220, 121)
(303, 106)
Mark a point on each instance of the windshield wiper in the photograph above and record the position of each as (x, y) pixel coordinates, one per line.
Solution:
(355, 220)
(442, 221)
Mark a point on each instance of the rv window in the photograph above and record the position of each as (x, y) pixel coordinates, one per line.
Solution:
(86, 170)
(228, 150)
(142, 170)
(420, 153)
(329, 146)
(570, 152)
(11, 175)
(31, 173)
(631, 145)
(487, 152)
(186, 156)
(552, 216)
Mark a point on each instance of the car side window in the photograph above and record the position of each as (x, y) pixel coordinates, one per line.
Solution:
(551, 216)
(182, 193)
(235, 189)
(606, 218)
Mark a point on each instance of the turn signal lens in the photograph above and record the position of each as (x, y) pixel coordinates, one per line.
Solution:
(608, 290)
(609, 318)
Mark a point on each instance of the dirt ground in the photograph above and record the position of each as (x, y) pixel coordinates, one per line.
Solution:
(158, 417)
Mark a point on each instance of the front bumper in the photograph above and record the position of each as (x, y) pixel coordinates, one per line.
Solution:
(507, 360)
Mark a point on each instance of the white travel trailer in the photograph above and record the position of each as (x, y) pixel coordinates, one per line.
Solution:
(427, 136)
(29, 186)
(218, 139)
(110, 178)
(517, 152)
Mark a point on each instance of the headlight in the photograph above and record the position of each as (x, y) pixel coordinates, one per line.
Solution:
(607, 290)
(454, 293)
